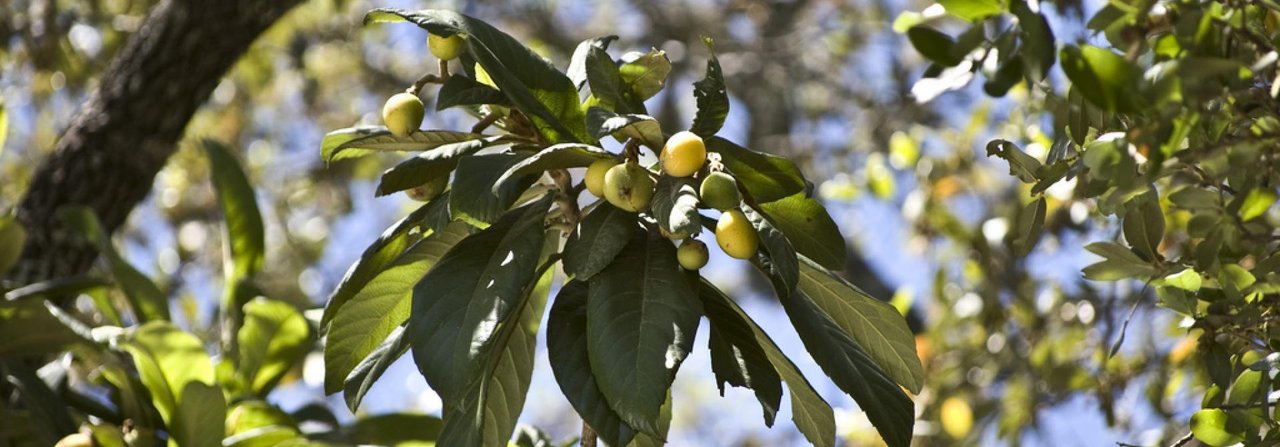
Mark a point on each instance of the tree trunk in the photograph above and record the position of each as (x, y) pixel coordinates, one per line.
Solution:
(108, 157)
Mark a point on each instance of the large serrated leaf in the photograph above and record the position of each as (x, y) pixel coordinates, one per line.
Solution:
(369, 370)
(166, 359)
(567, 351)
(642, 314)
(778, 257)
(577, 71)
(873, 324)
(600, 236)
(1106, 79)
(607, 86)
(812, 415)
(274, 338)
(381, 306)
(477, 197)
(239, 208)
(460, 90)
(429, 165)
(644, 128)
(534, 86)
(384, 141)
(568, 155)
(200, 417)
(675, 205)
(338, 137)
(810, 229)
(711, 96)
(738, 359)
(645, 73)
(766, 177)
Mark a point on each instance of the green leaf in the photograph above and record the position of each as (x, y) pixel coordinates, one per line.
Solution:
(457, 305)
(167, 359)
(49, 415)
(711, 96)
(385, 249)
(812, 415)
(826, 335)
(361, 378)
(4, 126)
(607, 85)
(778, 258)
(460, 90)
(1216, 428)
(491, 404)
(477, 200)
(933, 44)
(534, 86)
(381, 306)
(873, 324)
(577, 71)
(13, 237)
(560, 156)
(252, 414)
(240, 209)
(644, 128)
(384, 141)
(567, 352)
(199, 418)
(1104, 78)
(766, 177)
(1030, 225)
(1021, 165)
(1119, 263)
(738, 359)
(645, 73)
(339, 137)
(1144, 225)
(642, 314)
(1038, 48)
(1188, 280)
(429, 165)
(1256, 203)
(395, 429)
(810, 229)
(274, 338)
(675, 205)
(972, 10)
(30, 328)
(146, 299)
(599, 238)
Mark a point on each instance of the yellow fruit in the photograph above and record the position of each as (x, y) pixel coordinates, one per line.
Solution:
(683, 155)
(595, 176)
(445, 48)
(736, 236)
(720, 191)
(429, 190)
(628, 186)
(403, 114)
(75, 440)
(956, 417)
(692, 254)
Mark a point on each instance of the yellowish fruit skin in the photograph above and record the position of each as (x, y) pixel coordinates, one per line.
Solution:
(75, 440)
(692, 254)
(720, 191)
(429, 190)
(683, 155)
(735, 235)
(595, 176)
(403, 114)
(628, 187)
(445, 48)
(956, 417)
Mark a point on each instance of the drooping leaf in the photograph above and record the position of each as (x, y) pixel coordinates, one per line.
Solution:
(644, 128)
(1144, 225)
(168, 358)
(458, 305)
(738, 359)
(384, 141)
(12, 236)
(607, 86)
(645, 73)
(1118, 263)
(460, 90)
(642, 313)
(1039, 51)
(479, 199)
(247, 247)
(1021, 164)
(577, 71)
(338, 137)
(1104, 78)
(429, 165)
(675, 205)
(149, 303)
(381, 306)
(395, 429)
(766, 177)
(777, 257)
(809, 228)
(600, 236)
(560, 156)
(369, 370)
(972, 10)
(30, 328)
(933, 44)
(874, 325)
(544, 94)
(50, 416)
(1030, 225)
(567, 351)
(199, 419)
(812, 415)
(274, 338)
(711, 96)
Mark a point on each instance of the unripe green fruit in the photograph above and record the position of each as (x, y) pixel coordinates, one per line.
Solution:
(628, 187)
(429, 190)
(595, 175)
(75, 440)
(720, 191)
(692, 254)
(445, 48)
(684, 154)
(403, 114)
(736, 236)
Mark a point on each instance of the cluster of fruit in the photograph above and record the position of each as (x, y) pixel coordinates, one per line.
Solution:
(624, 184)
(629, 186)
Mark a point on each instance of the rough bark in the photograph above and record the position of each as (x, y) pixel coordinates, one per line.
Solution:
(108, 157)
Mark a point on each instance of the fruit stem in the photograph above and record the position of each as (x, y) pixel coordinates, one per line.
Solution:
(567, 200)
(631, 151)
(429, 78)
(444, 71)
(485, 122)
(588, 435)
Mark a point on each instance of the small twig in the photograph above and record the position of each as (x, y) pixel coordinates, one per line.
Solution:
(485, 122)
(588, 435)
(631, 151)
(1182, 441)
(429, 78)
(568, 197)
(444, 71)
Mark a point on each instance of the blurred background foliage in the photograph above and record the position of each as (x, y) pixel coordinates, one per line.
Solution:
(1016, 344)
